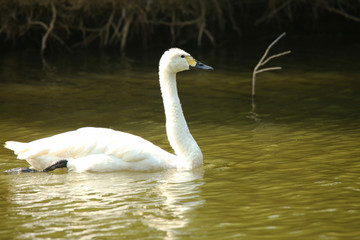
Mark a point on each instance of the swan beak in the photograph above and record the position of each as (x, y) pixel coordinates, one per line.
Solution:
(195, 64)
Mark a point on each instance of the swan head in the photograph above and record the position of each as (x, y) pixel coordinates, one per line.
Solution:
(176, 60)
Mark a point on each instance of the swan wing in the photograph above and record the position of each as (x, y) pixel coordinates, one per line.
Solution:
(87, 143)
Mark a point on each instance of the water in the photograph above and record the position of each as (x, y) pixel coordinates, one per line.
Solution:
(288, 171)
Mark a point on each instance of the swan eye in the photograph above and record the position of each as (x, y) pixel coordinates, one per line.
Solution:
(182, 56)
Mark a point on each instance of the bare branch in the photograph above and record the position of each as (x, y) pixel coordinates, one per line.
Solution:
(211, 38)
(107, 27)
(275, 56)
(268, 69)
(50, 28)
(274, 11)
(346, 15)
(177, 23)
(125, 31)
(38, 23)
(264, 60)
(269, 47)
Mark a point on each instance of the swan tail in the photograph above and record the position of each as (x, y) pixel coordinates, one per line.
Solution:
(33, 155)
(17, 147)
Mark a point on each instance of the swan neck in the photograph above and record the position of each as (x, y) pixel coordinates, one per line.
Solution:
(177, 129)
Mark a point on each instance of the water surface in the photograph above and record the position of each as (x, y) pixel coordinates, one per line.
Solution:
(288, 171)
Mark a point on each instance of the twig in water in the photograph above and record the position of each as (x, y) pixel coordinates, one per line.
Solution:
(263, 61)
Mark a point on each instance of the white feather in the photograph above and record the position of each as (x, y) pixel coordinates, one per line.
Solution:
(102, 150)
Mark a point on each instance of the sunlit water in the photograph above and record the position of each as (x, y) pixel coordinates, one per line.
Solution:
(289, 170)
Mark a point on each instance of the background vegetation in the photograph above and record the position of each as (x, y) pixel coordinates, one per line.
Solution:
(70, 24)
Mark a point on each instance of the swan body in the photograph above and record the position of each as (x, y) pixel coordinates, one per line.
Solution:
(104, 150)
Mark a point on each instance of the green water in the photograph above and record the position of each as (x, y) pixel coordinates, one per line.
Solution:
(290, 171)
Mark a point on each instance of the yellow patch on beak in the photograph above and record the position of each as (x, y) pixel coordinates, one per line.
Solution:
(191, 61)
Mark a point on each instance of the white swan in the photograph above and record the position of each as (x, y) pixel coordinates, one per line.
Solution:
(103, 150)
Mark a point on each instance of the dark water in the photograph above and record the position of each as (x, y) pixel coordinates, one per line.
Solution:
(289, 171)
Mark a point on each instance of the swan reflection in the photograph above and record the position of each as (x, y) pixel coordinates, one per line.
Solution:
(107, 204)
